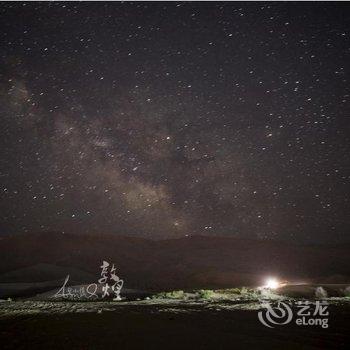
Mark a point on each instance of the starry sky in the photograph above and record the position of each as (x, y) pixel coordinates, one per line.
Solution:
(174, 119)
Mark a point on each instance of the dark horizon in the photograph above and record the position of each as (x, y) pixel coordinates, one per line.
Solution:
(119, 235)
(177, 263)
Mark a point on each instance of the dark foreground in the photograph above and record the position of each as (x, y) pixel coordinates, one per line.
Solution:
(168, 327)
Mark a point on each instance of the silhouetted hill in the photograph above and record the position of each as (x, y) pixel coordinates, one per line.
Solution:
(192, 262)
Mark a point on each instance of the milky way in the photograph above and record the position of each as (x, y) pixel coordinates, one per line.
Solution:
(173, 119)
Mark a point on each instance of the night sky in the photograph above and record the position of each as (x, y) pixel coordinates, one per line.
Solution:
(172, 119)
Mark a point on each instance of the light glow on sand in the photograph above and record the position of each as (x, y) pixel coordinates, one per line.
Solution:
(272, 283)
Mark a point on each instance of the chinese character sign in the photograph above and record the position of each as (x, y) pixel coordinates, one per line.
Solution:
(109, 283)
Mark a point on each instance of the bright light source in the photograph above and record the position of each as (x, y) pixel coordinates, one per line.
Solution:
(272, 283)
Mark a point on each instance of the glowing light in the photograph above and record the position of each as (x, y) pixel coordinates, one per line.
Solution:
(272, 283)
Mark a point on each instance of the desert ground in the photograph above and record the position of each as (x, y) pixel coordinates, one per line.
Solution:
(147, 318)
(161, 324)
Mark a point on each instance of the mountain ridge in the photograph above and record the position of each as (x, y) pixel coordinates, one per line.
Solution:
(189, 262)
